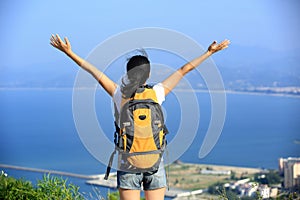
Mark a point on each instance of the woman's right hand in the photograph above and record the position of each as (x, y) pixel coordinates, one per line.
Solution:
(64, 46)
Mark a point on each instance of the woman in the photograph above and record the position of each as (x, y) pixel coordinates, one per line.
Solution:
(138, 69)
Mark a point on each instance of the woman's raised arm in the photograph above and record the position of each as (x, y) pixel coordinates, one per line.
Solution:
(65, 47)
(170, 82)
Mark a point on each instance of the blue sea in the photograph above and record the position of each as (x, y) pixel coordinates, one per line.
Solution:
(37, 130)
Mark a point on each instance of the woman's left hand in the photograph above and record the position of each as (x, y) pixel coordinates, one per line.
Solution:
(214, 47)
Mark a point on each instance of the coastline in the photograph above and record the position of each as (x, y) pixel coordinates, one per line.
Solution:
(237, 169)
(48, 171)
(228, 91)
(241, 92)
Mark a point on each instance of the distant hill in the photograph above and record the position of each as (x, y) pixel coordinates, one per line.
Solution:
(242, 69)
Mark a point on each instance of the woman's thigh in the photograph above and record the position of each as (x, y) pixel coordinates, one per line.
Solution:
(157, 194)
(126, 194)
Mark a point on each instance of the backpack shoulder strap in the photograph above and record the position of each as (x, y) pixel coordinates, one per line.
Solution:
(146, 92)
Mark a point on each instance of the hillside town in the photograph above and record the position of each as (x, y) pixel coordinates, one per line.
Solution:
(283, 183)
(289, 170)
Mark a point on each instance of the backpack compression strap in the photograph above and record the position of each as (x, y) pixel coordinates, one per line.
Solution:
(109, 165)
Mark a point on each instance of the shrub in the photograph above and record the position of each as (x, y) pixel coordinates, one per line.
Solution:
(48, 188)
(52, 187)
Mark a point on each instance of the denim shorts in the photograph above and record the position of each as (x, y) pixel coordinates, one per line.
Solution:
(146, 181)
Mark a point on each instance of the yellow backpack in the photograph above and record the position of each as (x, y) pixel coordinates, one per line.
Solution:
(140, 133)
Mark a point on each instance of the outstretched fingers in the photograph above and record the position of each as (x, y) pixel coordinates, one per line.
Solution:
(55, 40)
(58, 39)
(215, 47)
(58, 43)
(224, 44)
(67, 41)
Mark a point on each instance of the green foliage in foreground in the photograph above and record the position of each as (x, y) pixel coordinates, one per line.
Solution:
(50, 187)
(47, 188)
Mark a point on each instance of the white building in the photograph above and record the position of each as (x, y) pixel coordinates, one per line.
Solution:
(264, 191)
(290, 167)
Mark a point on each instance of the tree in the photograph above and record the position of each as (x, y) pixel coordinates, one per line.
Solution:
(272, 177)
(215, 188)
(233, 175)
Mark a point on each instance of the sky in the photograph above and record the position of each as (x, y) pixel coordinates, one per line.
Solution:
(26, 26)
